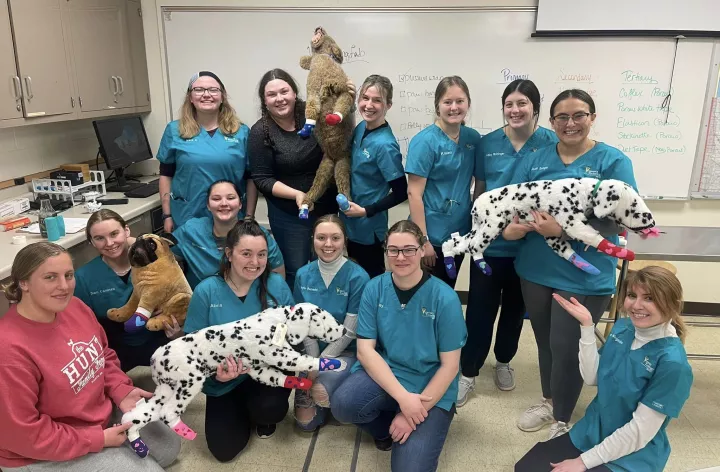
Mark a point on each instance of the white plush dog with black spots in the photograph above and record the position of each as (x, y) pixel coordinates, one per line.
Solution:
(570, 202)
(262, 342)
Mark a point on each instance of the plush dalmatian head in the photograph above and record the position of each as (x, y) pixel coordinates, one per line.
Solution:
(618, 201)
(308, 320)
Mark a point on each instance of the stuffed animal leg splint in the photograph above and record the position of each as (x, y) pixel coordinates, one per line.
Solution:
(570, 202)
(262, 342)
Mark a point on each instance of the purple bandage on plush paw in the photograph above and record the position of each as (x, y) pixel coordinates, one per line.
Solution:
(450, 268)
(139, 447)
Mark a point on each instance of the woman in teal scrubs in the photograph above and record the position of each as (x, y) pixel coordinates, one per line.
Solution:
(499, 154)
(206, 144)
(410, 332)
(643, 379)
(335, 284)
(543, 273)
(104, 283)
(440, 167)
(244, 287)
(201, 241)
(378, 181)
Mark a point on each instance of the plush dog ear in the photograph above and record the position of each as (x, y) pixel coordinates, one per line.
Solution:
(607, 198)
(169, 238)
(337, 52)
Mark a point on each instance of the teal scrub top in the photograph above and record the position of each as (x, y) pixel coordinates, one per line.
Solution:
(200, 161)
(657, 375)
(376, 161)
(214, 303)
(340, 298)
(196, 244)
(100, 288)
(496, 162)
(410, 339)
(449, 168)
(535, 261)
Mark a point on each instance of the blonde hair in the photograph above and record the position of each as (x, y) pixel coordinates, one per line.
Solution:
(26, 262)
(228, 121)
(383, 86)
(665, 290)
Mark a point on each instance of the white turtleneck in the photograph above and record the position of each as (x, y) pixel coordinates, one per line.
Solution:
(646, 422)
(328, 270)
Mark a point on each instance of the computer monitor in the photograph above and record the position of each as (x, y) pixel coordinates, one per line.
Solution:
(123, 141)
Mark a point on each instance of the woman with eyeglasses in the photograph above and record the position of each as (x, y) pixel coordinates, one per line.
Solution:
(409, 335)
(208, 143)
(543, 274)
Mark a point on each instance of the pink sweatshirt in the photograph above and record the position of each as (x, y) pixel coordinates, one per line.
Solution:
(58, 383)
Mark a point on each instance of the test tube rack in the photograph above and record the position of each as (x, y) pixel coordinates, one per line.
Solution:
(63, 190)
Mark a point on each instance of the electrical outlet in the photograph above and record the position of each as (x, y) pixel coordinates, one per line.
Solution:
(20, 181)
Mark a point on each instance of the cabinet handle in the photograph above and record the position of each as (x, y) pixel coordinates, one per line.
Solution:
(17, 87)
(72, 102)
(115, 86)
(80, 101)
(122, 85)
(28, 86)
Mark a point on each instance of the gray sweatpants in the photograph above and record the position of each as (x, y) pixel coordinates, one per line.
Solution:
(164, 447)
(557, 335)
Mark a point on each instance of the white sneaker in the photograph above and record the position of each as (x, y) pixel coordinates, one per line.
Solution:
(558, 429)
(536, 417)
(504, 377)
(465, 386)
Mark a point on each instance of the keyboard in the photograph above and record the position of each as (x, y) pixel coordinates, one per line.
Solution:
(144, 190)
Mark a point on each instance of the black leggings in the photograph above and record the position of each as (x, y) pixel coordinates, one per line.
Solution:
(131, 356)
(229, 417)
(556, 450)
(370, 257)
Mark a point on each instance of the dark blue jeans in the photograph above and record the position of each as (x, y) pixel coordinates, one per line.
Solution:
(293, 237)
(360, 401)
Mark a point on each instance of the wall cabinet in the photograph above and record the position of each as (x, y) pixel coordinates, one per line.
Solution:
(74, 59)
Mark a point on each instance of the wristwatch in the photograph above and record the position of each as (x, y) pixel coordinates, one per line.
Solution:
(165, 217)
(424, 240)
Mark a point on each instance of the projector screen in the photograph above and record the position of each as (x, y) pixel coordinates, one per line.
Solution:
(628, 17)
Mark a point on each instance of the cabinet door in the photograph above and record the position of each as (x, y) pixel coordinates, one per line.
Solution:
(10, 91)
(138, 58)
(98, 31)
(42, 56)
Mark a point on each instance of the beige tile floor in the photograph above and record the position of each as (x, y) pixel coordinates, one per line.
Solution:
(483, 436)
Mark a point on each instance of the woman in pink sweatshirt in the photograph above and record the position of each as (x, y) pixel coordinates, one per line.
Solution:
(62, 391)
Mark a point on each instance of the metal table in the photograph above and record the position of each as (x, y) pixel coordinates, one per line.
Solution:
(679, 243)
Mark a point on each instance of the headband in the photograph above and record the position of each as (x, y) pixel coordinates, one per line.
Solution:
(205, 73)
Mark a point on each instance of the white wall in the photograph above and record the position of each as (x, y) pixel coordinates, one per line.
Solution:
(699, 279)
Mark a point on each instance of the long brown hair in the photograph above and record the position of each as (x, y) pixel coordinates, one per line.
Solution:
(443, 86)
(26, 262)
(102, 215)
(664, 289)
(247, 228)
(228, 121)
(406, 226)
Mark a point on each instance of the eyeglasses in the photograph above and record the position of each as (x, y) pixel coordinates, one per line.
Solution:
(578, 118)
(201, 90)
(407, 251)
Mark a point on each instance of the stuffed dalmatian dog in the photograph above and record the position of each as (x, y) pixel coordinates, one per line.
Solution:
(570, 202)
(262, 342)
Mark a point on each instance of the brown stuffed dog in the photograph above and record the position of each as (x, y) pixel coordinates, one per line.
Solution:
(158, 283)
(328, 97)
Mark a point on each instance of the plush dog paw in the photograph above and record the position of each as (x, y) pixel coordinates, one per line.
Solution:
(483, 266)
(136, 323)
(583, 265)
(304, 213)
(184, 431)
(333, 119)
(306, 130)
(331, 364)
(450, 268)
(139, 447)
(297, 382)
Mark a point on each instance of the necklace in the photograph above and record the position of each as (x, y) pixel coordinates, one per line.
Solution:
(237, 289)
(454, 138)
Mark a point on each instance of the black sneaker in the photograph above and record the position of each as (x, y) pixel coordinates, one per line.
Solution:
(265, 431)
(384, 444)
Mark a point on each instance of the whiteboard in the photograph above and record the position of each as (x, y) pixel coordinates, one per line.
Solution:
(630, 15)
(627, 78)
